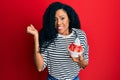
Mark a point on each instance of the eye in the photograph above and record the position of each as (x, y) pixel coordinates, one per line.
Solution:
(62, 18)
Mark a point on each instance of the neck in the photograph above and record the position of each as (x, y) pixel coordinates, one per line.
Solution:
(67, 32)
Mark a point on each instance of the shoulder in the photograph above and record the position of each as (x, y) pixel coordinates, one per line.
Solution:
(79, 31)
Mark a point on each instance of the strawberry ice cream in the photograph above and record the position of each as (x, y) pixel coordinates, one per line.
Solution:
(75, 48)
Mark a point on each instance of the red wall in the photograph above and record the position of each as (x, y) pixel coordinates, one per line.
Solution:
(99, 19)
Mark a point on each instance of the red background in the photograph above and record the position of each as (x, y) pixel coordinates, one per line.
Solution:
(99, 19)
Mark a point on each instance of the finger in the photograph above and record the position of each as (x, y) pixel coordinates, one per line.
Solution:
(80, 54)
(75, 59)
(28, 29)
(80, 57)
(32, 26)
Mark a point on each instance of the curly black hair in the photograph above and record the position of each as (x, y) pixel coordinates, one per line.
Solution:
(48, 33)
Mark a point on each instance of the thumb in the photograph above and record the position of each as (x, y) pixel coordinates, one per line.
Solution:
(32, 26)
(81, 57)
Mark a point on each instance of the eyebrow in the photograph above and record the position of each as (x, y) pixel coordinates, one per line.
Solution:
(61, 16)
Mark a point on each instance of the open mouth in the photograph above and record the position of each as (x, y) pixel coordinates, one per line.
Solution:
(60, 27)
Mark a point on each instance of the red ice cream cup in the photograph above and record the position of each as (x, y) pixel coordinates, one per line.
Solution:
(75, 50)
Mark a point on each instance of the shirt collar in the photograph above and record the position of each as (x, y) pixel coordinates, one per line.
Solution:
(66, 36)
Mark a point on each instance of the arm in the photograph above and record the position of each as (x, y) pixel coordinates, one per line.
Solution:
(39, 61)
(80, 60)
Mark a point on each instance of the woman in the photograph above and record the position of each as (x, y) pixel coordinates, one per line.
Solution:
(61, 27)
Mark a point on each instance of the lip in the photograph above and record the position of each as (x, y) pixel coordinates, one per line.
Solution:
(60, 27)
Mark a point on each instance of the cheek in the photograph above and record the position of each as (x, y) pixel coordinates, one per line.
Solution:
(66, 23)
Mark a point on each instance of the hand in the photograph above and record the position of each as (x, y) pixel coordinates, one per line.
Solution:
(32, 30)
(78, 59)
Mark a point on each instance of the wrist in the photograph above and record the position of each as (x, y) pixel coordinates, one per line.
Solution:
(36, 36)
(36, 40)
(36, 33)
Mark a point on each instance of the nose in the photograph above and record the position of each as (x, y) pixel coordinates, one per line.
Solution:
(59, 22)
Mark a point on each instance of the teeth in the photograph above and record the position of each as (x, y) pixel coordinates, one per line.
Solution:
(60, 27)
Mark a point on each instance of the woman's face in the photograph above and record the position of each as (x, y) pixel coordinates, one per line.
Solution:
(62, 22)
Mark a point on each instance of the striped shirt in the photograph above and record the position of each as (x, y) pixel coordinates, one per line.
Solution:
(56, 57)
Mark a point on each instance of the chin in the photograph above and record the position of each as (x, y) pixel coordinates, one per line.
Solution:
(60, 32)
